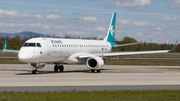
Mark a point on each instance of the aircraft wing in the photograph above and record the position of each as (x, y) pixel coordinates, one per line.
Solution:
(122, 53)
(125, 53)
(10, 51)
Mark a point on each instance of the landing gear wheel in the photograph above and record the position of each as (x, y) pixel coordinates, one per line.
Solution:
(35, 72)
(99, 71)
(61, 68)
(92, 70)
(56, 68)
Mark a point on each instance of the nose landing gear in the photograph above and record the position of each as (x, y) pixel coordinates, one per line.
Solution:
(35, 71)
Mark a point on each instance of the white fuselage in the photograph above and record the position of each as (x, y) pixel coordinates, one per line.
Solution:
(56, 50)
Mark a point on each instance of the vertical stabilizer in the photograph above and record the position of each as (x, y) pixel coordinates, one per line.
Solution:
(5, 45)
(111, 31)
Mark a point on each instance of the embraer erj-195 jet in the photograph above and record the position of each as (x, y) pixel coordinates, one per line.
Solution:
(39, 51)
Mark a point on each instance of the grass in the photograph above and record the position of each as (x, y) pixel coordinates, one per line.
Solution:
(159, 95)
(8, 54)
(10, 61)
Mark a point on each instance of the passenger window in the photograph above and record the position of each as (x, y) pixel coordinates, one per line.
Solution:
(38, 45)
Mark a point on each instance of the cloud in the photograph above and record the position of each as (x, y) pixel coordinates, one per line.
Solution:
(93, 19)
(52, 11)
(139, 34)
(159, 29)
(140, 4)
(176, 27)
(141, 24)
(81, 13)
(14, 16)
(163, 28)
(101, 29)
(60, 27)
(124, 22)
(137, 24)
(53, 17)
(77, 33)
(174, 5)
(170, 19)
(159, 33)
(49, 5)
(4, 13)
(13, 21)
(24, 26)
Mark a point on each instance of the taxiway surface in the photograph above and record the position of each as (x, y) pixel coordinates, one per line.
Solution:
(19, 78)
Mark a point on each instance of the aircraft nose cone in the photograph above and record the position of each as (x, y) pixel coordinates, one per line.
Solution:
(23, 56)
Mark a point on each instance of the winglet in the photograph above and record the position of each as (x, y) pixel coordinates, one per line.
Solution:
(174, 45)
(5, 45)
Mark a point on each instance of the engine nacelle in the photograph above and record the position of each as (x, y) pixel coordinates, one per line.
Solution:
(95, 63)
(36, 65)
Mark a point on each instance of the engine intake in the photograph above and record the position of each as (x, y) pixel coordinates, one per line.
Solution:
(36, 65)
(95, 63)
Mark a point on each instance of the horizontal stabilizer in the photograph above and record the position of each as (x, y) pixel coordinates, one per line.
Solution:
(125, 44)
(10, 51)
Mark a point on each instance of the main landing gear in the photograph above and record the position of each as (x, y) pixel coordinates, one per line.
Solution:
(58, 67)
(98, 71)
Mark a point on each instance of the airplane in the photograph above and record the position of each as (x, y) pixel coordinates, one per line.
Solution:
(39, 51)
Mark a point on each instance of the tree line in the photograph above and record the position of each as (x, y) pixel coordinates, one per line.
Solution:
(16, 42)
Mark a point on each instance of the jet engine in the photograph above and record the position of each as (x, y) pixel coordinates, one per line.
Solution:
(36, 65)
(95, 63)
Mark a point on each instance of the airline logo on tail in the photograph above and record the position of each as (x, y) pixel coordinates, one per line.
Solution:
(111, 30)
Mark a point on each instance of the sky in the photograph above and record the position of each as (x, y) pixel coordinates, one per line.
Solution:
(144, 20)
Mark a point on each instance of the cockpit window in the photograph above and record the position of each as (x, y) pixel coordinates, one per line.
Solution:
(31, 45)
(38, 45)
(25, 44)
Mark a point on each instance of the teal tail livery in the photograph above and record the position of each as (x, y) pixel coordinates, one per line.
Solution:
(111, 30)
(5, 45)
(36, 52)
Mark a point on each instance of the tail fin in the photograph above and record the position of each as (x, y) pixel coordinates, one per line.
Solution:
(111, 31)
(5, 45)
